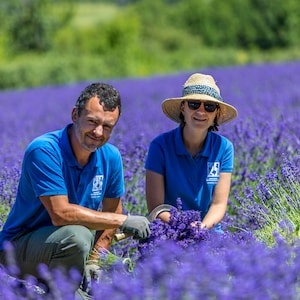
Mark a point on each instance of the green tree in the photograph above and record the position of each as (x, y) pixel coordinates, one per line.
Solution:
(30, 25)
(261, 24)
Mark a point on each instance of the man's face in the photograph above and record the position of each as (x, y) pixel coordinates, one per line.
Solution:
(94, 125)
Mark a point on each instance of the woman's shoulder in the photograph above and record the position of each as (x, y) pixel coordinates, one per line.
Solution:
(220, 137)
(165, 136)
(217, 138)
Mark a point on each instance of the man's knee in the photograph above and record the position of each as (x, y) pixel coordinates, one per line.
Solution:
(77, 236)
(74, 243)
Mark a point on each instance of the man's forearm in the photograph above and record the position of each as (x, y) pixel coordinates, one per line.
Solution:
(94, 220)
(103, 240)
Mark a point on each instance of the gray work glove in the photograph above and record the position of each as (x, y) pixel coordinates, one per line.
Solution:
(138, 226)
(92, 274)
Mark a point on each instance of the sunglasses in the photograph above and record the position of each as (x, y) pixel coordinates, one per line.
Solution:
(209, 107)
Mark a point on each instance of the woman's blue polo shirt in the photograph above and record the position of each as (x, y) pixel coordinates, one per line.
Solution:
(50, 168)
(191, 179)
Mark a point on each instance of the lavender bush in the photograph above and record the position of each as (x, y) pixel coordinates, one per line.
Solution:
(257, 257)
(224, 267)
(274, 204)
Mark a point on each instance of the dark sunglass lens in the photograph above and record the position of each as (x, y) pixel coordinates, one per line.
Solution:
(210, 107)
(194, 104)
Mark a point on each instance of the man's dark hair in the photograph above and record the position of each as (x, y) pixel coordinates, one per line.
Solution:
(108, 97)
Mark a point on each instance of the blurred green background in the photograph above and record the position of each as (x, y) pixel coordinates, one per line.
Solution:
(46, 42)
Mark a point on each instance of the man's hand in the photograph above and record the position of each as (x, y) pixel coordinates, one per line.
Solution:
(92, 270)
(91, 275)
(138, 226)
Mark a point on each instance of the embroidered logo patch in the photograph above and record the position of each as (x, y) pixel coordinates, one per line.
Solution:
(213, 172)
(97, 186)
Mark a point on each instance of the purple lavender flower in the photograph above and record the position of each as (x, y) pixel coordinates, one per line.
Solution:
(183, 228)
(174, 265)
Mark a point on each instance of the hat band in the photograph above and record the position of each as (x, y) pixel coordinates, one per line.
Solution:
(201, 89)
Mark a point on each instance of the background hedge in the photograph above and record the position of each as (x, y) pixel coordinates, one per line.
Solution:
(56, 42)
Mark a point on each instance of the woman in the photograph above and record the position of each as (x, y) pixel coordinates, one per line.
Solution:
(192, 162)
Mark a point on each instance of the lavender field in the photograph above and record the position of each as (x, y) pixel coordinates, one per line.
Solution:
(257, 257)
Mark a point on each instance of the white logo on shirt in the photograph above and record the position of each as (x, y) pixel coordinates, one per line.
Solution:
(97, 185)
(213, 172)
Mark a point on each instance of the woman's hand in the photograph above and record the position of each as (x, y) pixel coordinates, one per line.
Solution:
(199, 224)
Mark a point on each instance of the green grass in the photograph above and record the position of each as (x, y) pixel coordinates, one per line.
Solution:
(4, 210)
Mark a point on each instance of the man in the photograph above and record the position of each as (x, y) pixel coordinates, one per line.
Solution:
(71, 183)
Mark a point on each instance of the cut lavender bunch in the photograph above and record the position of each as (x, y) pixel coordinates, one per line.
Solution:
(183, 228)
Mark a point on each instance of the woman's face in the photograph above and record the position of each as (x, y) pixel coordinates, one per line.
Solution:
(196, 116)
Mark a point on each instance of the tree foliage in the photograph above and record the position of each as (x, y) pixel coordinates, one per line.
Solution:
(41, 43)
(31, 24)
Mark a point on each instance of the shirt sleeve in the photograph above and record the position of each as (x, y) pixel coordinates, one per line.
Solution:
(155, 160)
(227, 157)
(44, 172)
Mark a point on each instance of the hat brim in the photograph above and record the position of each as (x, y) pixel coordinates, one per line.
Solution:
(171, 107)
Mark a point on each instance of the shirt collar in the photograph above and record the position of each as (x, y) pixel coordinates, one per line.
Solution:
(206, 149)
(179, 145)
(69, 155)
(180, 148)
(67, 149)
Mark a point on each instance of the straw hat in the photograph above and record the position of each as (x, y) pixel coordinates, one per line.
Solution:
(199, 87)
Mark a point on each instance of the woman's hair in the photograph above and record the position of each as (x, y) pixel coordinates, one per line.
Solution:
(108, 96)
(214, 126)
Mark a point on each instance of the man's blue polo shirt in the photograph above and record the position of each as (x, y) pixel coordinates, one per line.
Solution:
(50, 168)
(191, 179)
